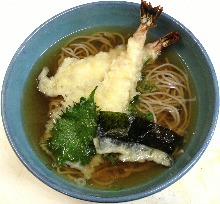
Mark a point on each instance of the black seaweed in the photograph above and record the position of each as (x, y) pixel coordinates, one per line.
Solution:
(138, 130)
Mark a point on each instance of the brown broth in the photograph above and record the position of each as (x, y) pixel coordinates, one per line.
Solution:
(35, 107)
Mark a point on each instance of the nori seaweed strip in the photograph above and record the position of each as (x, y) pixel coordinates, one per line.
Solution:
(138, 130)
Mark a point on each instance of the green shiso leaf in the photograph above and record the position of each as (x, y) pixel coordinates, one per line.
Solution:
(73, 133)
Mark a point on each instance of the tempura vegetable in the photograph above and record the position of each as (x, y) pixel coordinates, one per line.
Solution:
(127, 128)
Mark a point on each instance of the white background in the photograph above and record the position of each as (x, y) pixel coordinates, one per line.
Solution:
(17, 185)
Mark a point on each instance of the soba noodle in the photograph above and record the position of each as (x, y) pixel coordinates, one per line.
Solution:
(83, 46)
(168, 102)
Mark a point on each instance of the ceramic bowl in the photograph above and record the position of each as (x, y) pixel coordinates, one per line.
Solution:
(97, 15)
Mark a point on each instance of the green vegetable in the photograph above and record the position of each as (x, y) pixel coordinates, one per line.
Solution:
(145, 85)
(112, 158)
(147, 61)
(73, 133)
(149, 116)
(132, 105)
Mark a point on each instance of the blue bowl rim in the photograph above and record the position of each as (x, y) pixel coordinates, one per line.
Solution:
(123, 198)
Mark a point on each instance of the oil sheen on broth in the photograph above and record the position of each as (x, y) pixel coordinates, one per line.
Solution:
(35, 107)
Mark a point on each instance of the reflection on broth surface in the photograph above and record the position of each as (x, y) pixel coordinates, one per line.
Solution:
(162, 97)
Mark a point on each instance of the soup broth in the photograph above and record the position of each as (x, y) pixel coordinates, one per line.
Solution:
(35, 112)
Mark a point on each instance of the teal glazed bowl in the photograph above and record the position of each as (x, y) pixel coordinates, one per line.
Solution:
(97, 15)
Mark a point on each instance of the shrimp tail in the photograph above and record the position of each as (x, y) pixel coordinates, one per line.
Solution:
(169, 39)
(149, 14)
(153, 50)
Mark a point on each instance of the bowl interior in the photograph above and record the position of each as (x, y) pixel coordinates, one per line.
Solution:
(98, 15)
